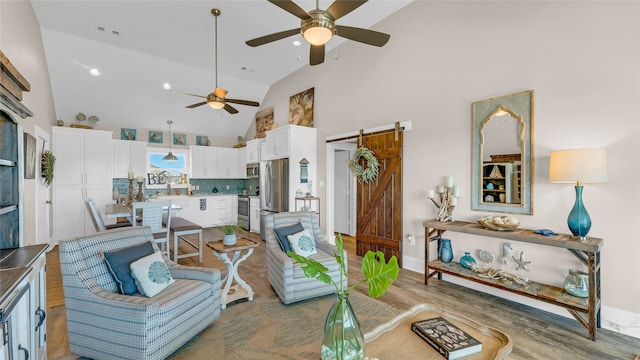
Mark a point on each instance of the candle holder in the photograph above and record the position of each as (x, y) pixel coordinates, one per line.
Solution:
(140, 195)
(130, 200)
(448, 194)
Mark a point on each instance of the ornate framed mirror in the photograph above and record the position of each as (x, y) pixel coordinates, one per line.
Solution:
(502, 154)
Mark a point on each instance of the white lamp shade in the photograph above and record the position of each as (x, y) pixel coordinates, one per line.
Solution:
(587, 166)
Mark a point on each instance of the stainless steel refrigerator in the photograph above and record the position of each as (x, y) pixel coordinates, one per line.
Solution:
(274, 189)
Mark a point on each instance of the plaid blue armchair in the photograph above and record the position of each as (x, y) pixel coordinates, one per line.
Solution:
(104, 324)
(285, 275)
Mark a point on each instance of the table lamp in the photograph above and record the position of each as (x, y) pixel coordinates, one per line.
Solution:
(578, 166)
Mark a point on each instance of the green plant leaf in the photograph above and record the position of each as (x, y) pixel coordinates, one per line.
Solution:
(312, 268)
(378, 272)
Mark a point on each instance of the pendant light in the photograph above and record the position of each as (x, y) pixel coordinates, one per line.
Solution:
(170, 157)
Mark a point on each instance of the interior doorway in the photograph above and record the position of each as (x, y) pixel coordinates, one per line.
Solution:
(344, 190)
(44, 231)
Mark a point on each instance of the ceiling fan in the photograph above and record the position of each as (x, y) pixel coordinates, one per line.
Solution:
(318, 27)
(217, 98)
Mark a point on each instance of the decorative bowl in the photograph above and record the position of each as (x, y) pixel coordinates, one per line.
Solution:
(499, 223)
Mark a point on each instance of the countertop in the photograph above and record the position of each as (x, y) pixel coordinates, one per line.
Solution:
(15, 265)
(204, 195)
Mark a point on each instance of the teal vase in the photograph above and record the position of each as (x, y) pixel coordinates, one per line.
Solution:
(467, 260)
(579, 221)
(343, 338)
(445, 253)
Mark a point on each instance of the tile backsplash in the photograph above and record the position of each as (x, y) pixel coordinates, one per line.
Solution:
(206, 186)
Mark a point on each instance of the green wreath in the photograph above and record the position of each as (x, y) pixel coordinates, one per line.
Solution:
(371, 171)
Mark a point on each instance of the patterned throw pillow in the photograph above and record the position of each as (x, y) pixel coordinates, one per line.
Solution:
(283, 232)
(151, 274)
(118, 263)
(302, 243)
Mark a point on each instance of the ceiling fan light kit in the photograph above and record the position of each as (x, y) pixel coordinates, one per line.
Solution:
(318, 27)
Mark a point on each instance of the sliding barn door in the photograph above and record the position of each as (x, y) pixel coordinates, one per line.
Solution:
(379, 220)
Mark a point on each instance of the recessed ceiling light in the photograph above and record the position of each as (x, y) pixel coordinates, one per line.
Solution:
(94, 72)
(297, 43)
(166, 86)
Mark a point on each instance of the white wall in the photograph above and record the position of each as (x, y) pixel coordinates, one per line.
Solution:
(582, 59)
(21, 42)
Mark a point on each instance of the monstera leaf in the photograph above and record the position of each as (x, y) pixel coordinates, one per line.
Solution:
(378, 273)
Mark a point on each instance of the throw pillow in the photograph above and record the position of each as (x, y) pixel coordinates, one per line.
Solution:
(302, 243)
(283, 232)
(118, 263)
(151, 274)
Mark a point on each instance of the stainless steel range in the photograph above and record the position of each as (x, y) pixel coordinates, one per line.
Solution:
(243, 211)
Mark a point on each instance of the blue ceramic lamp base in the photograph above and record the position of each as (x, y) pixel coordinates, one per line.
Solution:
(579, 221)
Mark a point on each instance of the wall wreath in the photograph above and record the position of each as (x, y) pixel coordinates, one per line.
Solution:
(371, 171)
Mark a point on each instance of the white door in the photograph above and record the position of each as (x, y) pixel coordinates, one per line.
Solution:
(44, 231)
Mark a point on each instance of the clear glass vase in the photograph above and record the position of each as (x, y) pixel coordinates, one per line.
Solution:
(343, 338)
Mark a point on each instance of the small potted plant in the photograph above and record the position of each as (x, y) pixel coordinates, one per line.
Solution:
(229, 231)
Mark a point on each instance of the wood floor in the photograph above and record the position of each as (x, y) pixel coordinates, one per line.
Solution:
(535, 334)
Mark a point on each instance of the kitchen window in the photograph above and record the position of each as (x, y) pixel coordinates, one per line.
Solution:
(161, 173)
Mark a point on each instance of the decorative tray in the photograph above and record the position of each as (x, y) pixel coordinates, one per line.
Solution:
(499, 223)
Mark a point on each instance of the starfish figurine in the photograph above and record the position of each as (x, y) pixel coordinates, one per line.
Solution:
(522, 263)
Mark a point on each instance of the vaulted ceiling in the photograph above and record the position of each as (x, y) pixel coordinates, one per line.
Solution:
(139, 45)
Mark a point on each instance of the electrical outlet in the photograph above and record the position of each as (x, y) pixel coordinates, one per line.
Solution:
(412, 239)
(227, 187)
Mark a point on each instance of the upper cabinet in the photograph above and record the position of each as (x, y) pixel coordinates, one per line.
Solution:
(203, 162)
(281, 142)
(129, 156)
(227, 163)
(209, 162)
(242, 163)
(253, 151)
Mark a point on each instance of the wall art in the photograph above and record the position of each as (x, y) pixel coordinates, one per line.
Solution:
(301, 108)
(127, 134)
(264, 122)
(155, 137)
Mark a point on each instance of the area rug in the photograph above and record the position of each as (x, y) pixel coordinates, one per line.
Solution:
(267, 329)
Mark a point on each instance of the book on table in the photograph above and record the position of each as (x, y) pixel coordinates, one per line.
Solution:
(449, 340)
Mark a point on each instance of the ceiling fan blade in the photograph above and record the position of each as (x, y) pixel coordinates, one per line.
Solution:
(291, 7)
(340, 8)
(195, 105)
(230, 109)
(186, 93)
(220, 92)
(316, 54)
(364, 36)
(242, 102)
(272, 37)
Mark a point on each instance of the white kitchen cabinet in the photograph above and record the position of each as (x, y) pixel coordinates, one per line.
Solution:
(185, 203)
(202, 210)
(23, 306)
(241, 170)
(253, 150)
(283, 142)
(227, 163)
(83, 169)
(254, 215)
(277, 143)
(129, 156)
(204, 162)
(223, 209)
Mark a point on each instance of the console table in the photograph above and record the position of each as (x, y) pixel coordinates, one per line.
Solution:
(585, 310)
